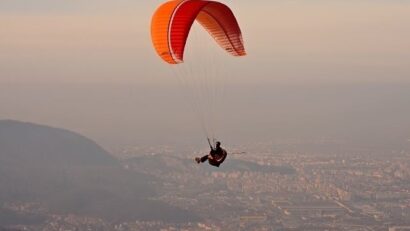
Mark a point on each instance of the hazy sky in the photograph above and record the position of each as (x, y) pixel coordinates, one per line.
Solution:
(287, 41)
(89, 66)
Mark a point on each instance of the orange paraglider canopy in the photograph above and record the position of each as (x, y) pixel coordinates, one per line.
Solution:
(172, 22)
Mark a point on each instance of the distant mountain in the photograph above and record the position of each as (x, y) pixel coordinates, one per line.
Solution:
(22, 143)
(162, 164)
(241, 165)
(69, 173)
(8, 217)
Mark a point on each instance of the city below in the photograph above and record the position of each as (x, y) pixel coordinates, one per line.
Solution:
(263, 189)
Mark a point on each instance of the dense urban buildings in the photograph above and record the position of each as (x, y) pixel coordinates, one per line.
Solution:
(264, 189)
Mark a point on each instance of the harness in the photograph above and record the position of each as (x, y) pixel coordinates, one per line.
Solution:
(219, 158)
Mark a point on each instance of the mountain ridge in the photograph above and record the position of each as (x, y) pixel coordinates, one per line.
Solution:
(69, 173)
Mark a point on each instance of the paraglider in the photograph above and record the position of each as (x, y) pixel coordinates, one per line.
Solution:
(170, 28)
(216, 156)
(172, 22)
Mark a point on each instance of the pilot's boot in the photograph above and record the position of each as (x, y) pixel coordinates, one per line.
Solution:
(198, 160)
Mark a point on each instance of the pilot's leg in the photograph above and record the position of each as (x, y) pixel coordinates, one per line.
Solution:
(204, 158)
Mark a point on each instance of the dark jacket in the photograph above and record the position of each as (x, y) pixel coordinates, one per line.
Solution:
(219, 155)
